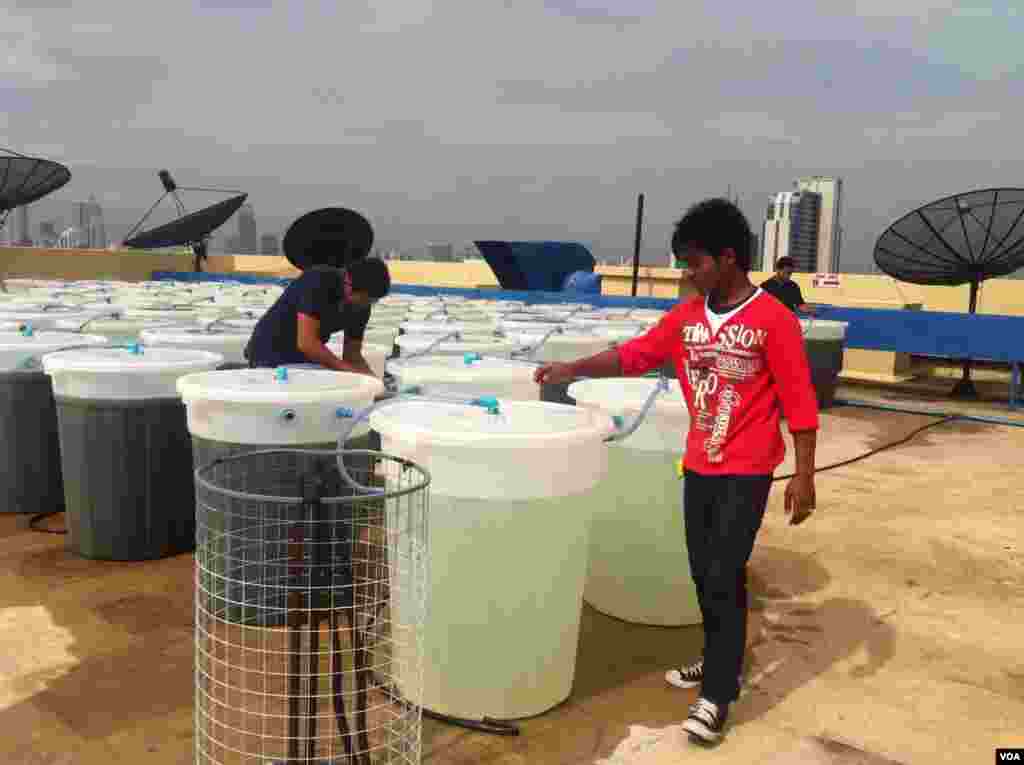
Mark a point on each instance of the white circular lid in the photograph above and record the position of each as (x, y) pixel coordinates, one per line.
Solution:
(467, 343)
(264, 386)
(457, 369)
(102, 323)
(180, 334)
(46, 341)
(38, 310)
(123, 360)
(526, 424)
(615, 394)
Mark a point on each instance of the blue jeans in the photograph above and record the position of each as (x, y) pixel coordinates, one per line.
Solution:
(722, 515)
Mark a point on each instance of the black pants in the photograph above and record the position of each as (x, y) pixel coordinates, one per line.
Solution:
(723, 515)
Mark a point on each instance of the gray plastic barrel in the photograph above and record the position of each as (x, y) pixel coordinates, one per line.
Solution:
(126, 456)
(825, 341)
(251, 410)
(30, 474)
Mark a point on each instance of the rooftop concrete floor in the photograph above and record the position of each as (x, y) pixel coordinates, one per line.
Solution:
(892, 622)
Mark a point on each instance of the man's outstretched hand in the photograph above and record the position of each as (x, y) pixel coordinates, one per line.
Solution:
(800, 498)
(554, 374)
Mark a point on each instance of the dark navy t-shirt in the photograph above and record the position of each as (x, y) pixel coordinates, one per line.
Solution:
(318, 293)
(788, 293)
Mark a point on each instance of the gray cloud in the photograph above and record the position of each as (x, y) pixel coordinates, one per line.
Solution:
(494, 119)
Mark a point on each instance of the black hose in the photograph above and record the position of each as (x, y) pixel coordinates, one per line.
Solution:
(865, 455)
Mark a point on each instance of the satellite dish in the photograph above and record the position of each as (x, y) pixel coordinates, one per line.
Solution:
(192, 229)
(24, 180)
(332, 236)
(962, 239)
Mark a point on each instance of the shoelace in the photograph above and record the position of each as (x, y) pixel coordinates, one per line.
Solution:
(693, 668)
(705, 711)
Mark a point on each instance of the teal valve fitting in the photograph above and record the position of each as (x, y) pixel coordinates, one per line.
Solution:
(490, 403)
(26, 330)
(288, 415)
(281, 373)
(469, 358)
(135, 348)
(618, 421)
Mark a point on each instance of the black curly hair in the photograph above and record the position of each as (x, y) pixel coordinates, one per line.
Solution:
(715, 225)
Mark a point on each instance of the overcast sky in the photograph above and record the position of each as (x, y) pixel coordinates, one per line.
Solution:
(461, 119)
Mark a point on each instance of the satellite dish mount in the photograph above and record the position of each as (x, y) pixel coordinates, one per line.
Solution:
(191, 229)
(962, 239)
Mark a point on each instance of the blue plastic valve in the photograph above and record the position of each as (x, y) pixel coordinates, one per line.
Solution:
(618, 421)
(469, 358)
(344, 411)
(135, 348)
(488, 402)
(281, 373)
(26, 330)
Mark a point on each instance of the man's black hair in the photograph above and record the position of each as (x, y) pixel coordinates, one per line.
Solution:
(785, 262)
(713, 225)
(370, 275)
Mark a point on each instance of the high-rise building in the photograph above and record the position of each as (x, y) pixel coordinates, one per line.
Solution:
(49, 231)
(441, 252)
(80, 221)
(791, 229)
(829, 229)
(97, 229)
(269, 244)
(22, 233)
(248, 238)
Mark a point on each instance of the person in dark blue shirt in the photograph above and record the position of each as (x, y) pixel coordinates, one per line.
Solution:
(784, 289)
(321, 302)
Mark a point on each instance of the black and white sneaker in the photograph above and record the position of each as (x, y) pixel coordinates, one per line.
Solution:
(706, 721)
(686, 677)
(689, 676)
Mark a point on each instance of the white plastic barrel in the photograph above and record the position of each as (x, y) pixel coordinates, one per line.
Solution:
(115, 329)
(229, 342)
(121, 374)
(821, 329)
(455, 375)
(638, 569)
(254, 406)
(510, 499)
(22, 351)
(43, 316)
(561, 347)
(483, 344)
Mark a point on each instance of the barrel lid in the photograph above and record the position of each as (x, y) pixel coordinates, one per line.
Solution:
(180, 334)
(523, 424)
(467, 343)
(618, 394)
(441, 369)
(126, 361)
(297, 385)
(43, 341)
(118, 323)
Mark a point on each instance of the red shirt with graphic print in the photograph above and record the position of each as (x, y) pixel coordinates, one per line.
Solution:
(737, 381)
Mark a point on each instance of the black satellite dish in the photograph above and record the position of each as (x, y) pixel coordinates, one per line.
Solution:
(962, 239)
(24, 180)
(192, 229)
(332, 236)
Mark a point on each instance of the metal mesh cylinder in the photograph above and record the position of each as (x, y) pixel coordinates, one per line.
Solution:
(307, 667)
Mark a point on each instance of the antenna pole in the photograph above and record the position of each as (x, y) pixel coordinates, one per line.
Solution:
(144, 217)
(636, 241)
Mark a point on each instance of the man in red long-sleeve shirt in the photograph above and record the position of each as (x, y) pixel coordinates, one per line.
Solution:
(741, 361)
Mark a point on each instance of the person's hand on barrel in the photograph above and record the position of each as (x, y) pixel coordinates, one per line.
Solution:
(554, 374)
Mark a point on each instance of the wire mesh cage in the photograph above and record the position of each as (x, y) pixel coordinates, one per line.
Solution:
(310, 602)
